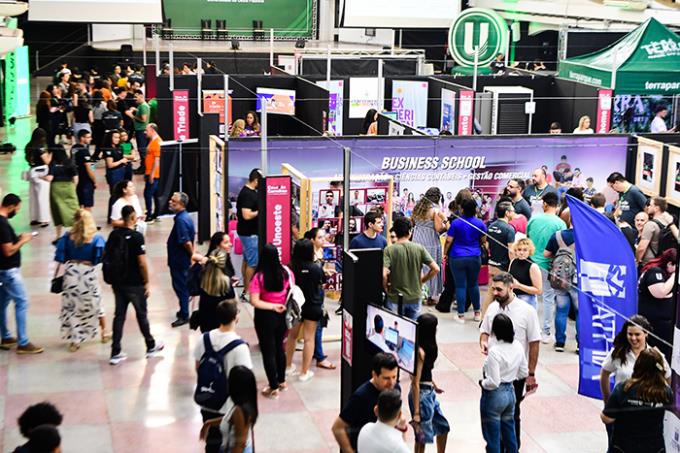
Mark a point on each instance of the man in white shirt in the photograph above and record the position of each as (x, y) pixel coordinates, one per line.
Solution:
(227, 315)
(659, 123)
(327, 209)
(527, 333)
(383, 435)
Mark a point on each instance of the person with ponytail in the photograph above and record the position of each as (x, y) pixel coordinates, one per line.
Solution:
(636, 407)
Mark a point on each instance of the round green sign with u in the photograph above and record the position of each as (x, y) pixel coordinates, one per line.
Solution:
(479, 28)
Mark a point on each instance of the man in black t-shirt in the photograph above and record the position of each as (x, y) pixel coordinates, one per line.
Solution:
(11, 283)
(631, 199)
(359, 410)
(112, 119)
(247, 209)
(80, 153)
(134, 290)
(501, 236)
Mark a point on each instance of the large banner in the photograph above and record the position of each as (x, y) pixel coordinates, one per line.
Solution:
(336, 94)
(288, 18)
(364, 95)
(465, 104)
(278, 202)
(409, 102)
(213, 102)
(604, 111)
(448, 113)
(180, 114)
(607, 283)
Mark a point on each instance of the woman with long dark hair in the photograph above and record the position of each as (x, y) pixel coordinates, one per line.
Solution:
(252, 128)
(656, 300)
(370, 118)
(505, 363)
(268, 292)
(429, 222)
(39, 157)
(464, 243)
(216, 281)
(43, 111)
(422, 398)
(637, 407)
(309, 277)
(124, 194)
(116, 162)
(63, 179)
(238, 423)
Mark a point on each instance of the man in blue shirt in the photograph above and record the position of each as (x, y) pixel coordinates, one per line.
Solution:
(372, 237)
(180, 250)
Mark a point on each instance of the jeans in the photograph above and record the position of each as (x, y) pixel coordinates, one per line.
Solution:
(497, 409)
(142, 142)
(134, 295)
(213, 441)
(12, 288)
(432, 420)
(180, 276)
(548, 303)
(271, 329)
(529, 298)
(151, 196)
(411, 310)
(465, 272)
(519, 395)
(564, 300)
(319, 356)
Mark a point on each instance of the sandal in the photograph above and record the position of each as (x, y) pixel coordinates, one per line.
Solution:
(326, 365)
(267, 392)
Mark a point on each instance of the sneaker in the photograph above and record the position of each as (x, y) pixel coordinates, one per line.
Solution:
(460, 319)
(8, 343)
(307, 376)
(158, 347)
(559, 347)
(29, 348)
(179, 322)
(291, 370)
(545, 338)
(149, 220)
(116, 359)
(478, 316)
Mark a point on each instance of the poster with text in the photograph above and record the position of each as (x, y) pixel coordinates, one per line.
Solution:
(180, 110)
(448, 113)
(336, 94)
(278, 203)
(280, 102)
(364, 95)
(213, 102)
(409, 102)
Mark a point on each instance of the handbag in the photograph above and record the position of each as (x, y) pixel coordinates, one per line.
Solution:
(294, 301)
(194, 279)
(57, 286)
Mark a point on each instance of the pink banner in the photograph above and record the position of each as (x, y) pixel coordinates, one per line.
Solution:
(604, 111)
(180, 111)
(466, 98)
(278, 201)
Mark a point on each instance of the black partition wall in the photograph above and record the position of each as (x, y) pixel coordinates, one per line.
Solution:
(434, 103)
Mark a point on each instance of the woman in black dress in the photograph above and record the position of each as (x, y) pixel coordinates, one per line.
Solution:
(216, 284)
(656, 301)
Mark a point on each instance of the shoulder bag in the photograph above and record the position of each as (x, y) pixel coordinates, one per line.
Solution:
(294, 300)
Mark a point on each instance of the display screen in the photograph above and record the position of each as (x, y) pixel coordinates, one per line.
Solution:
(634, 113)
(400, 13)
(281, 102)
(116, 12)
(392, 334)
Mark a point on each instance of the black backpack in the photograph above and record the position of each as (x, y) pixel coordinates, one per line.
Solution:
(666, 238)
(212, 387)
(115, 262)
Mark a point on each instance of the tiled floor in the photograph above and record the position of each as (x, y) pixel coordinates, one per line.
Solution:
(146, 405)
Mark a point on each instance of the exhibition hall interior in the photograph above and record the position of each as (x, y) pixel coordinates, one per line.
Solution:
(356, 226)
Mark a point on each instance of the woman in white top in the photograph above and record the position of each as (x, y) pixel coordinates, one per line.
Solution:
(125, 194)
(584, 126)
(505, 363)
(628, 343)
(241, 413)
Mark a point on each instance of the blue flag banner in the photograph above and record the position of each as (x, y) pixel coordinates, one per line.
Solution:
(607, 289)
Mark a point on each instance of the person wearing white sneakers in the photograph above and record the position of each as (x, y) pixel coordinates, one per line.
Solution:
(125, 268)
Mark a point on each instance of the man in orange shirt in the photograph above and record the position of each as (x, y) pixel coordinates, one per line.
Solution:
(152, 166)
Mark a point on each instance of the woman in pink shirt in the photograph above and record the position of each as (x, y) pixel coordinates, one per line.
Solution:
(268, 291)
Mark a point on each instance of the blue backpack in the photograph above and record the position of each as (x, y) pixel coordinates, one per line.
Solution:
(212, 389)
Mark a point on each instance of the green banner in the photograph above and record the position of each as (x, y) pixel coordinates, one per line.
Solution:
(288, 18)
(17, 85)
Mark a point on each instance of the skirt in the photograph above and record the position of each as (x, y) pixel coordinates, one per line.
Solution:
(81, 303)
(63, 202)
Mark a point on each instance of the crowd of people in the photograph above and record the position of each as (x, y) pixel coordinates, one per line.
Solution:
(519, 242)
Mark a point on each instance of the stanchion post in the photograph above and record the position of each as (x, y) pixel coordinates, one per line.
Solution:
(263, 138)
(474, 73)
(181, 175)
(346, 167)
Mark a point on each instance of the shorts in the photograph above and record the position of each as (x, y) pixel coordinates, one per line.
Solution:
(432, 420)
(250, 252)
(311, 312)
(85, 194)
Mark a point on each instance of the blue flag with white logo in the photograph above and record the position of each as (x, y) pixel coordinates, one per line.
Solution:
(607, 286)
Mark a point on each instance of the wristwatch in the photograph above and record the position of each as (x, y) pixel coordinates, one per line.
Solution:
(532, 374)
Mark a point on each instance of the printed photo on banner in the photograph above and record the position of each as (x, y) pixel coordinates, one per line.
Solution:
(448, 113)
(648, 169)
(280, 102)
(336, 98)
(375, 196)
(364, 95)
(673, 176)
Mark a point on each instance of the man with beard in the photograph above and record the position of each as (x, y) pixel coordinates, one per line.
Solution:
(11, 283)
(180, 250)
(527, 333)
(533, 194)
(514, 191)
